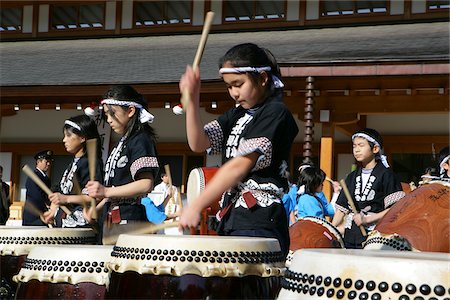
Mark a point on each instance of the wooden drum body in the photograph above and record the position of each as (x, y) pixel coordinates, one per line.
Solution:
(419, 221)
(17, 242)
(195, 267)
(313, 232)
(197, 181)
(358, 274)
(64, 272)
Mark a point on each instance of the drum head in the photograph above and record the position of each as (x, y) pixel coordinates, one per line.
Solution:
(195, 184)
(357, 274)
(21, 239)
(205, 256)
(197, 181)
(379, 241)
(67, 264)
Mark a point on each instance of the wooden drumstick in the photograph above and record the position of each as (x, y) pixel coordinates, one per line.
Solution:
(35, 211)
(153, 228)
(198, 56)
(36, 179)
(167, 170)
(76, 185)
(77, 188)
(201, 45)
(91, 146)
(180, 203)
(352, 204)
(42, 185)
(145, 229)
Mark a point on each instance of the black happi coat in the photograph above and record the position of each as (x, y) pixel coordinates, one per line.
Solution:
(268, 130)
(77, 170)
(132, 155)
(381, 183)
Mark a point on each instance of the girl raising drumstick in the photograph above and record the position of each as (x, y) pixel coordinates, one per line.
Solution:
(254, 138)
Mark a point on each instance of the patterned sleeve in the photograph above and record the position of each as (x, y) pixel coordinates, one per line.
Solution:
(393, 189)
(215, 135)
(217, 130)
(272, 128)
(142, 155)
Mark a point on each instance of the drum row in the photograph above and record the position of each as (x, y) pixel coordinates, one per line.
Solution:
(57, 263)
(44, 263)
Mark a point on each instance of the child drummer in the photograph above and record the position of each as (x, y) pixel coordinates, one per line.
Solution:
(254, 139)
(369, 186)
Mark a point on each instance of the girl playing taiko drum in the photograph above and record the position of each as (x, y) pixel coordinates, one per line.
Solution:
(77, 130)
(131, 166)
(254, 138)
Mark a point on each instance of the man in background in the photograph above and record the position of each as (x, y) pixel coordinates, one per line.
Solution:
(4, 199)
(35, 196)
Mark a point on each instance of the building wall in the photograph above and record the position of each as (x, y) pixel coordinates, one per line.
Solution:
(298, 13)
(44, 126)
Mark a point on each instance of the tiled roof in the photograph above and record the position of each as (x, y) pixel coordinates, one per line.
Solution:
(158, 59)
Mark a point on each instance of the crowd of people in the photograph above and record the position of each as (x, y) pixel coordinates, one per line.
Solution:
(254, 140)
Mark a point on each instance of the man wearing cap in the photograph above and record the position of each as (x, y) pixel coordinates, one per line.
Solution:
(35, 195)
(4, 199)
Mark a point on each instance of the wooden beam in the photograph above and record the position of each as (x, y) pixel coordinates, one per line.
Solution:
(349, 128)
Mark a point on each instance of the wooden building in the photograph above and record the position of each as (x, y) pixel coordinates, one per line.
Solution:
(345, 64)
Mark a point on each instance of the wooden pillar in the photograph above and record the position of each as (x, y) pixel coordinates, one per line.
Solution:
(326, 157)
(309, 120)
(15, 177)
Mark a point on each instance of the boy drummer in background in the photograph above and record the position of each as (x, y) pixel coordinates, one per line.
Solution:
(368, 185)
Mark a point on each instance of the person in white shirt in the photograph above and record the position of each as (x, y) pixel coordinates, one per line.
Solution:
(167, 189)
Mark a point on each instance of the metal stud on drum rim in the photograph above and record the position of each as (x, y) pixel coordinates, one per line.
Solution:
(195, 267)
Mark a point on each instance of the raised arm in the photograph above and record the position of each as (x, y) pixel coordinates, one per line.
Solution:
(190, 84)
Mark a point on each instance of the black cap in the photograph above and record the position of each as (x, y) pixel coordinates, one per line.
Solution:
(46, 154)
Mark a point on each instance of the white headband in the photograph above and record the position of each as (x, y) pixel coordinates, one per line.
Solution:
(303, 167)
(144, 115)
(244, 70)
(441, 165)
(73, 124)
(372, 140)
(238, 70)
